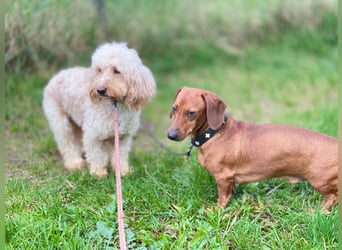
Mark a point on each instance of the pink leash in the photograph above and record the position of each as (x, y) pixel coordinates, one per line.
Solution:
(118, 180)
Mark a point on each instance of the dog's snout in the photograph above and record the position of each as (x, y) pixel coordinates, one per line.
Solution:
(173, 134)
(101, 90)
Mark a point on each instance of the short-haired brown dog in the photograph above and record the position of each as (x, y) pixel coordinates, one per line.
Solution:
(239, 152)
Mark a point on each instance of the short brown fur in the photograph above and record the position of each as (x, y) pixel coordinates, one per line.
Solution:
(244, 152)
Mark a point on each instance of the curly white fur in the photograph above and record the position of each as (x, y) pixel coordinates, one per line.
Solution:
(78, 103)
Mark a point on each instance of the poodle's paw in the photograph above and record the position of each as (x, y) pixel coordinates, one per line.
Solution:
(126, 171)
(74, 165)
(99, 172)
(124, 167)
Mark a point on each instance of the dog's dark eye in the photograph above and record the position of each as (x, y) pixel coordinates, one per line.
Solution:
(190, 114)
(98, 69)
(173, 110)
(115, 71)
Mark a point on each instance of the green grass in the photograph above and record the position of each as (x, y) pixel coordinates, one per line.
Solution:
(171, 202)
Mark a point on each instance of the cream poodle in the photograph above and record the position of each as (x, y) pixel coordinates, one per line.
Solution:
(78, 103)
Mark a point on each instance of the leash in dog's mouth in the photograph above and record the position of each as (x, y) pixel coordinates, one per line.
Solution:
(119, 199)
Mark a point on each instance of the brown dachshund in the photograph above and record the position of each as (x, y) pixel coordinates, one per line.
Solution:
(239, 152)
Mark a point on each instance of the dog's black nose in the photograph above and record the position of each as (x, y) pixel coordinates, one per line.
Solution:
(101, 90)
(172, 135)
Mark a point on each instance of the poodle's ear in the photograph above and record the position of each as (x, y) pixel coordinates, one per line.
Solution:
(142, 88)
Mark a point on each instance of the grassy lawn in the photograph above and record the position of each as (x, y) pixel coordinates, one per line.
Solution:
(171, 202)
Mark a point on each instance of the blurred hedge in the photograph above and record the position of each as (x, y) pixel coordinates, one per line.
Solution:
(41, 34)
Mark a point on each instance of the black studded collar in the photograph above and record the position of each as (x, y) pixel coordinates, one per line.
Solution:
(206, 136)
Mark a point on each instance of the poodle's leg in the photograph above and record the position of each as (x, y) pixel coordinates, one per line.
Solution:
(125, 147)
(66, 134)
(97, 155)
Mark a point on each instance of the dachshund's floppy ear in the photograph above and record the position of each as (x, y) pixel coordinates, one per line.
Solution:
(215, 110)
(142, 88)
(178, 91)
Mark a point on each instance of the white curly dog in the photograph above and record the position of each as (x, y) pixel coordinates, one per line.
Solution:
(78, 103)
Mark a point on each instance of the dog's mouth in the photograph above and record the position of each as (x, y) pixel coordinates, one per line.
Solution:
(103, 92)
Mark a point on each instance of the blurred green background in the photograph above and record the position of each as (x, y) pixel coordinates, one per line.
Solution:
(169, 35)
